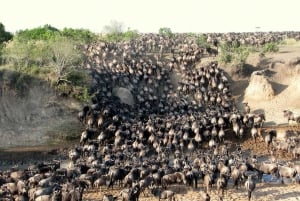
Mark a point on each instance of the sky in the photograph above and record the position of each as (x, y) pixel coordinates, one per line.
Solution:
(150, 15)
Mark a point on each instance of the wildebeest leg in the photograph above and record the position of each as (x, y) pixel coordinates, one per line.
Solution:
(249, 195)
(282, 182)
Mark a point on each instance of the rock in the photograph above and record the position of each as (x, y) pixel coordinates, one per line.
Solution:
(259, 87)
(124, 95)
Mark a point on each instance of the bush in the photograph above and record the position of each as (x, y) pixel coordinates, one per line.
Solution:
(234, 53)
(77, 78)
(166, 31)
(37, 71)
(47, 32)
(225, 57)
(241, 54)
(82, 94)
(18, 54)
(80, 35)
(202, 41)
(4, 35)
(270, 47)
(130, 35)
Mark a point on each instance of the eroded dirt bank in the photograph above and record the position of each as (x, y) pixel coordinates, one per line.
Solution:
(32, 114)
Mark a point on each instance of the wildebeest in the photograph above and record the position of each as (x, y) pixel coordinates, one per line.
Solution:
(267, 168)
(236, 176)
(192, 176)
(296, 152)
(286, 172)
(82, 115)
(250, 186)
(146, 183)
(87, 135)
(163, 194)
(54, 196)
(222, 182)
(208, 181)
(176, 177)
(269, 137)
(254, 133)
(116, 174)
(204, 196)
(246, 108)
(291, 116)
(130, 194)
(259, 119)
(103, 180)
(109, 197)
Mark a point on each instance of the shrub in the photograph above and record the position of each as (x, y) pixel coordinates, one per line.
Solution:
(82, 94)
(130, 34)
(233, 53)
(202, 41)
(241, 54)
(166, 31)
(225, 57)
(18, 54)
(80, 35)
(77, 78)
(47, 32)
(270, 47)
(4, 35)
(37, 71)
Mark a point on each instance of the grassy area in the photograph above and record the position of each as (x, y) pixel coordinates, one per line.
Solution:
(290, 42)
(76, 84)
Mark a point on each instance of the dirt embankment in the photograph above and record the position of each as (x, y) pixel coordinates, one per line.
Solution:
(31, 113)
(274, 88)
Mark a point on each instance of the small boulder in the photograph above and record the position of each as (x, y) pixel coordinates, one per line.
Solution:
(124, 95)
(259, 87)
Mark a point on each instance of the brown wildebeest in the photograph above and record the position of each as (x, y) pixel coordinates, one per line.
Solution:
(176, 177)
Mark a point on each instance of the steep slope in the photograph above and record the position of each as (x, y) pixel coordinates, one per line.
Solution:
(33, 115)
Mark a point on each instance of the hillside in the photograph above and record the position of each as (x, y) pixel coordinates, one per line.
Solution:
(284, 78)
(31, 113)
(38, 115)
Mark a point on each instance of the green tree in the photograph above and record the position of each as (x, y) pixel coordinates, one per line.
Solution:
(80, 35)
(47, 32)
(4, 37)
(233, 53)
(40, 53)
(131, 34)
(165, 31)
(202, 40)
(18, 54)
(23, 54)
(47, 46)
(65, 56)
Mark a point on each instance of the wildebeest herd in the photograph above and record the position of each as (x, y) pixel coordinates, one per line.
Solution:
(174, 131)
